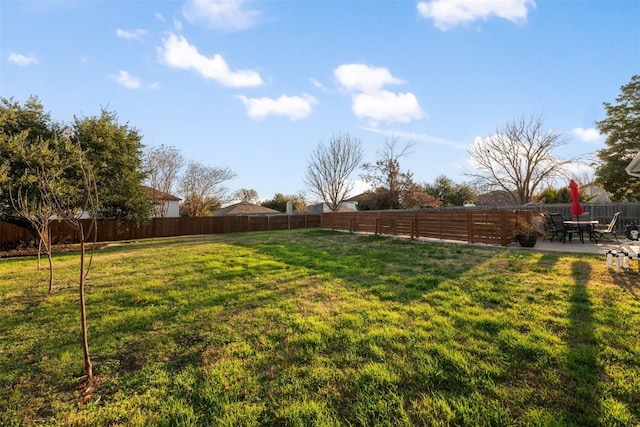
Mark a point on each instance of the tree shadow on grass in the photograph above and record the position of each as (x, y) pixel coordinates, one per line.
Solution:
(628, 281)
(582, 357)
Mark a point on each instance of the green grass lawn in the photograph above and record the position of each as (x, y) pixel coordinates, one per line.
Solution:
(315, 328)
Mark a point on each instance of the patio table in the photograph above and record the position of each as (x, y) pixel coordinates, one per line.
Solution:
(582, 226)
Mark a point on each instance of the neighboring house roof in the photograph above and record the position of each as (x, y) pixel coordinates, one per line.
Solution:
(160, 195)
(244, 208)
(355, 198)
(323, 207)
(348, 205)
(595, 193)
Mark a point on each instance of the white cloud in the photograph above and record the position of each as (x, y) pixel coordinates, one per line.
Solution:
(359, 187)
(130, 35)
(127, 80)
(221, 14)
(418, 137)
(449, 13)
(176, 52)
(177, 24)
(360, 77)
(318, 85)
(292, 107)
(387, 106)
(370, 101)
(587, 135)
(22, 60)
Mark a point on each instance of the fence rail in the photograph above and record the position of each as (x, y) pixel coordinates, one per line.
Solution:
(492, 227)
(472, 225)
(111, 230)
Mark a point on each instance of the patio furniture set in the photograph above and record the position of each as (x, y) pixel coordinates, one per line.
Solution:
(556, 227)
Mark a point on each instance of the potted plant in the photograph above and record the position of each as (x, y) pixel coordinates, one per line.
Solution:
(526, 231)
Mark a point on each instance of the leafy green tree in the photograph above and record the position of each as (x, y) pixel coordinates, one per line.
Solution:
(20, 126)
(30, 143)
(279, 202)
(47, 174)
(450, 193)
(43, 161)
(377, 199)
(552, 195)
(622, 127)
(114, 151)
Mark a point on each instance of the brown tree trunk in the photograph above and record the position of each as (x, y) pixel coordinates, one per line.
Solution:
(50, 258)
(45, 239)
(83, 314)
(39, 253)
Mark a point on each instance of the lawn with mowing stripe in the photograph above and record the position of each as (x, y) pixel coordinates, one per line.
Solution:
(311, 327)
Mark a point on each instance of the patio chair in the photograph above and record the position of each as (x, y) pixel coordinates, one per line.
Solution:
(550, 229)
(562, 230)
(599, 233)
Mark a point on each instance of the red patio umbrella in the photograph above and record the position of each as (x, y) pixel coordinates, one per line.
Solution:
(576, 207)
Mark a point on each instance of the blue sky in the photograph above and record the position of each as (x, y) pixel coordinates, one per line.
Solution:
(256, 85)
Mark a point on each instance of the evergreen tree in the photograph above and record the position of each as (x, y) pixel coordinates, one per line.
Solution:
(622, 127)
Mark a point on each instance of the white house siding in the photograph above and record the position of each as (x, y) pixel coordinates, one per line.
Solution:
(172, 207)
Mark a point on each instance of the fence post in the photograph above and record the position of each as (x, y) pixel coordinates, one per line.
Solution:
(504, 235)
(470, 238)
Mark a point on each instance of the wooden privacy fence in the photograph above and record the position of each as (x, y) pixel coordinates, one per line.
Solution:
(111, 230)
(493, 227)
(10, 233)
(602, 212)
(475, 225)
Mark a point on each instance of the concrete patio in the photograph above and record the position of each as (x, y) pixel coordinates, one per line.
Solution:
(575, 246)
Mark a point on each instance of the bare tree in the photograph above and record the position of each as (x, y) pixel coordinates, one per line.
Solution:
(330, 166)
(33, 207)
(71, 195)
(246, 195)
(202, 189)
(385, 176)
(163, 165)
(518, 159)
(36, 158)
